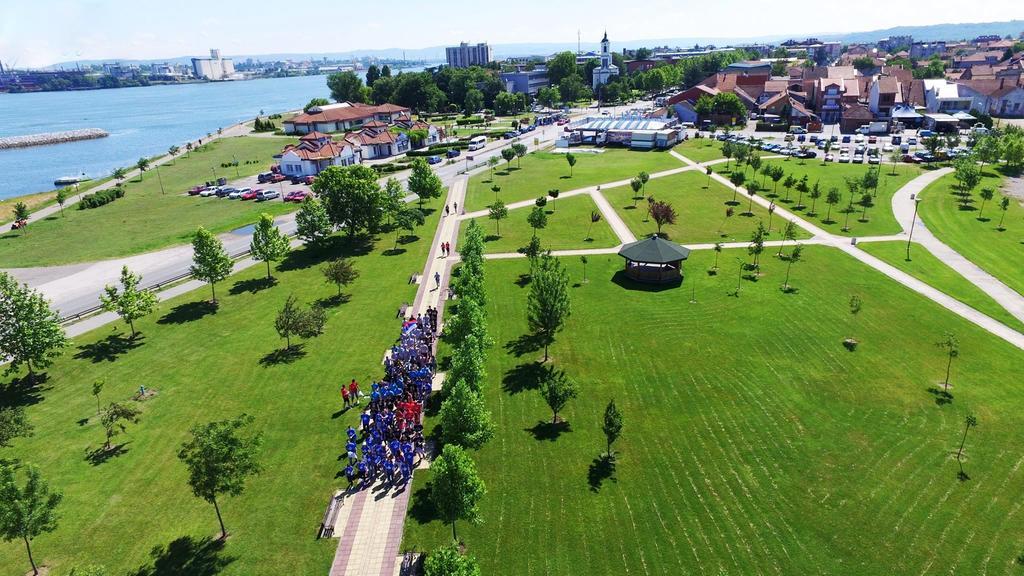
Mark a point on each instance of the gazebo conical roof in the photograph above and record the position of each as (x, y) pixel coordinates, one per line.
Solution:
(654, 250)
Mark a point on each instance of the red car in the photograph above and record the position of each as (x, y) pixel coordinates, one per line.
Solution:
(911, 159)
(251, 194)
(195, 190)
(308, 180)
(278, 178)
(296, 196)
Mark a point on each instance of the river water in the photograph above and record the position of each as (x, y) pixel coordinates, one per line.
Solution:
(143, 121)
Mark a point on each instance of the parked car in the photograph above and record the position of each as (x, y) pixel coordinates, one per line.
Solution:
(873, 160)
(912, 141)
(196, 190)
(224, 192)
(858, 158)
(264, 177)
(788, 138)
(296, 196)
(801, 138)
(858, 138)
(904, 148)
(846, 139)
(834, 138)
(821, 144)
(433, 160)
(814, 138)
(452, 153)
(267, 195)
(830, 157)
(238, 193)
(926, 133)
(251, 194)
(510, 134)
(806, 154)
(887, 148)
(872, 139)
(844, 157)
(211, 191)
(797, 130)
(896, 140)
(277, 178)
(910, 158)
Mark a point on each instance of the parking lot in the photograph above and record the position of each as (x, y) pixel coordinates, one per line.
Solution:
(283, 189)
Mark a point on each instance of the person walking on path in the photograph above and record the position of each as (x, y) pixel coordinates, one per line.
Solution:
(445, 209)
(437, 280)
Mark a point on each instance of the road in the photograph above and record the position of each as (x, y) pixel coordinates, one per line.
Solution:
(73, 289)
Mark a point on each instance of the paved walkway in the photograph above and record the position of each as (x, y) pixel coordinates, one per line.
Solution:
(903, 208)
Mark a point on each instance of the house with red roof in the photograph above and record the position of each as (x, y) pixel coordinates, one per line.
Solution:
(342, 117)
(314, 153)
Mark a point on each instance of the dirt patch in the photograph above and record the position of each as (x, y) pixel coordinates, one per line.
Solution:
(1014, 188)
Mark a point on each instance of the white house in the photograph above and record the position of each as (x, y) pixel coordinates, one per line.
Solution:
(316, 152)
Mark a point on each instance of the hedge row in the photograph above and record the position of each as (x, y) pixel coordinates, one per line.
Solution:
(468, 121)
(391, 167)
(97, 199)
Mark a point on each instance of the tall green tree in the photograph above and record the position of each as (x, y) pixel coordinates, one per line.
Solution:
(448, 561)
(393, 199)
(115, 418)
(311, 221)
(130, 302)
(423, 182)
(794, 257)
(636, 184)
(814, 194)
(346, 87)
(120, 173)
(537, 219)
(520, 149)
(220, 457)
(408, 219)
(268, 243)
(474, 101)
(293, 320)
(1004, 205)
(14, 424)
(611, 425)
(142, 164)
(756, 246)
(508, 154)
(340, 272)
(986, 195)
(210, 261)
(30, 331)
(372, 74)
(352, 197)
(456, 489)
(29, 511)
(498, 212)
(788, 233)
(465, 419)
(548, 304)
(951, 346)
(832, 199)
(571, 160)
(62, 198)
(556, 389)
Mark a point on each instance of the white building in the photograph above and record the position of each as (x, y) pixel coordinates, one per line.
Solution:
(607, 70)
(316, 152)
(214, 67)
(465, 55)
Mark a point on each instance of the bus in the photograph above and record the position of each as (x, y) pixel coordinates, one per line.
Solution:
(477, 143)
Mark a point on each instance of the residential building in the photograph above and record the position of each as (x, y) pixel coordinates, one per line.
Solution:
(925, 50)
(314, 153)
(606, 71)
(524, 81)
(947, 97)
(377, 140)
(213, 68)
(465, 55)
(749, 67)
(886, 92)
(893, 43)
(342, 117)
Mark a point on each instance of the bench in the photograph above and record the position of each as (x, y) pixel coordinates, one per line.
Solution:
(414, 278)
(330, 516)
(402, 310)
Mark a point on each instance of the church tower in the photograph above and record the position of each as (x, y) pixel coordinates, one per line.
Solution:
(606, 70)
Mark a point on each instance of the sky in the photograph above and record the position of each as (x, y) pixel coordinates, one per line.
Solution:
(42, 32)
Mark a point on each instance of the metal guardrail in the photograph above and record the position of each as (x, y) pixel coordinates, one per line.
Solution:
(156, 286)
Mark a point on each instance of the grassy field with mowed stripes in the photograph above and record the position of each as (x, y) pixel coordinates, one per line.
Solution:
(754, 443)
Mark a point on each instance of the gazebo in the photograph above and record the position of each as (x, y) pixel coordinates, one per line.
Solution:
(654, 260)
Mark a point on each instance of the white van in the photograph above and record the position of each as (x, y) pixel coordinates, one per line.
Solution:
(477, 143)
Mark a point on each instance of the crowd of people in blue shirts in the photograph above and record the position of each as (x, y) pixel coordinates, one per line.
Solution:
(389, 443)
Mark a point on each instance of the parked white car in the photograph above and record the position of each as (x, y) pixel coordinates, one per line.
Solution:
(209, 192)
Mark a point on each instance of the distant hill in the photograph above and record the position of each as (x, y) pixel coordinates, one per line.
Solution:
(965, 31)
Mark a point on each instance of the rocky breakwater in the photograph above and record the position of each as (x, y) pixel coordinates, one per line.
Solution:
(51, 138)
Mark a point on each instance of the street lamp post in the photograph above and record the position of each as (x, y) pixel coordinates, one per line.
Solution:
(917, 202)
(159, 178)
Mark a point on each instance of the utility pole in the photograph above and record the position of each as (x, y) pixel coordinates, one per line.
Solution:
(917, 202)
(159, 178)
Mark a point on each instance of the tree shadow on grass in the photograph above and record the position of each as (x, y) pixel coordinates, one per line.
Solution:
(102, 454)
(408, 239)
(109, 349)
(283, 355)
(331, 248)
(333, 301)
(394, 251)
(188, 312)
(942, 397)
(23, 391)
(525, 344)
(601, 468)
(186, 556)
(523, 377)
(252, 285)
(422, 508)
(549, 431)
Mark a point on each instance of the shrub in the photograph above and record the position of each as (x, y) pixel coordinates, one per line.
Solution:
(467, 121)
(97, 199)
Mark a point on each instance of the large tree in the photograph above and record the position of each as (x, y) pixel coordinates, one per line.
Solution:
(311, 221)
(30, 332)
(220, 458)
(268, 243)
(115, 418)
(210, 261)
(562, 65)
(130, 302)
(497, 212)
(456, 488)
(26, 512)
(346, 87)
(537, 219)
(13, 424)
(352, 197)
(448, 561)
(423, 182)
(340, 272)
(556, 389)
(663, 214)
(293, 320)
(548, 302)
(465, 419)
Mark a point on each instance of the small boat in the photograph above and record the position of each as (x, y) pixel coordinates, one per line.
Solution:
(70, 180)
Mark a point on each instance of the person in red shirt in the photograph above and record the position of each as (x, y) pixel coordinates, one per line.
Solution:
(353, 392)
(344, 396)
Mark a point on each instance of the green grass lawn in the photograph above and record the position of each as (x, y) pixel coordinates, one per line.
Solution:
(937, 274)
(144, 219)
(700, 149)
(543, 171)
(701, 212)
(568, 222)
(880, 218)
(753, 441)
(205, 367)
(1000, 253)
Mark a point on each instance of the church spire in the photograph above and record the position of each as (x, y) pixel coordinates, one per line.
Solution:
(605, 39)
